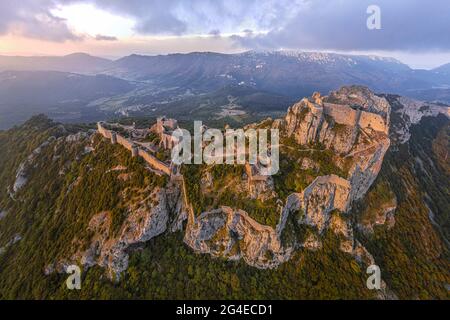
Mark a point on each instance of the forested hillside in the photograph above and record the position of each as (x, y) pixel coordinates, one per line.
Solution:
(69, 174)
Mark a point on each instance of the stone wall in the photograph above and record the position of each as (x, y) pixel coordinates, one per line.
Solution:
(129, 145)
(154, 163)
(342, 114)
(125, 142)
(103, 131)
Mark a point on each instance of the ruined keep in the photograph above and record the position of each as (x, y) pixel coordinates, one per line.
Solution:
(164, 128)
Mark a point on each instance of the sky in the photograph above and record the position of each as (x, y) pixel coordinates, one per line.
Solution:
(416, 32)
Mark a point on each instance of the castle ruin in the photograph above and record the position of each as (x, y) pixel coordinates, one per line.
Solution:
(164, 128)
(135, 150)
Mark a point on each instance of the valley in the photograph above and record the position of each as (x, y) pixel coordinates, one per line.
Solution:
(85, 88)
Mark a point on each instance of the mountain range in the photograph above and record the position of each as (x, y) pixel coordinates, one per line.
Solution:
(144, 84)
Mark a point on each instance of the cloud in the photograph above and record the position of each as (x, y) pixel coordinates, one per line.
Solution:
(180, 17)
(406, 25)
(33, 19)
(101, 37)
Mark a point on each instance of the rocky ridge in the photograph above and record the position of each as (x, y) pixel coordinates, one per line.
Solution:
(352, 122)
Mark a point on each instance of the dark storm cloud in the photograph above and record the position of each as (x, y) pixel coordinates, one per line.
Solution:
(33, 19)
(415, 25)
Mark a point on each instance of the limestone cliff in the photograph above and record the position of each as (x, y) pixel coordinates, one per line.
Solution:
(233, 234)
(146, 220)
(408, 112)
(353, 123)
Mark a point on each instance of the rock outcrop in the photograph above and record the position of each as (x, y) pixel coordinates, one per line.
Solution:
(354, 123)
(410, 112)
(160, 211)
(325, 194)
(304, 121)
(21, 174)
(233, 234)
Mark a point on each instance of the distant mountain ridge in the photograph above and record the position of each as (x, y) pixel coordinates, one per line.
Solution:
(179, 84)
(75, 62)
(24, 93)
(291, 73)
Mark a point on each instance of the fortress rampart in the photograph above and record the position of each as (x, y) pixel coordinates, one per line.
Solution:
(341, 113)
(129, 145)
(124, 142)
(153, 162)
(103, 131)
(344, 114)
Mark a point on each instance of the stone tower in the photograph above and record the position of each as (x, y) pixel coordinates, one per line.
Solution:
(134, 151)
(113, 138)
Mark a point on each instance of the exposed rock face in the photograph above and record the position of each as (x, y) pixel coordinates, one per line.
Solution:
(411, 112)
(304, 120)
(367, 159)
(355, 126)
(293, 203)
(21, 174)
(361, 97)
(354, 123)
(307, 163)
(325, 194)
(337, 137)
(312, 242)
(146, 220)
(233, 234)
